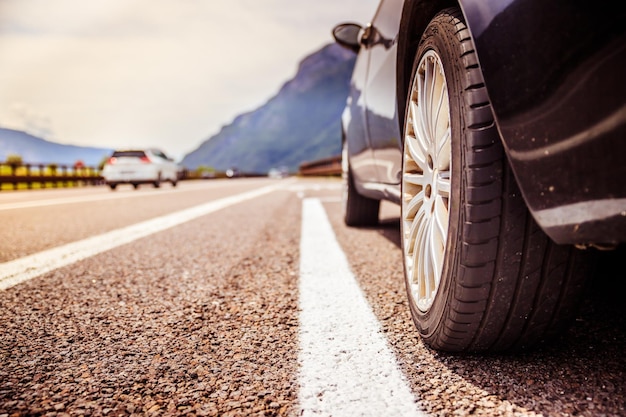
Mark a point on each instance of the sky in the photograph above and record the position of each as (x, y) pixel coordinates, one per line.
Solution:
(153, 73)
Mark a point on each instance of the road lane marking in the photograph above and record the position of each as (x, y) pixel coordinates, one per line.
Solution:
(316, 186)
(28, 267)
(108, 195)
(346, 367)
(80, 199)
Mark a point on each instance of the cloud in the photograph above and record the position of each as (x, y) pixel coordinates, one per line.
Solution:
(170, 72)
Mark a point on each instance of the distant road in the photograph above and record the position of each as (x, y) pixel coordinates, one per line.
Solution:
(250, 297)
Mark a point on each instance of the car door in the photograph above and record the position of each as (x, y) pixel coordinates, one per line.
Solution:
(355, 125)
(380, 39)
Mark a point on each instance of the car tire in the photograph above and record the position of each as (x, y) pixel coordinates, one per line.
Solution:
(113, 186)
(358, 210)
(157, 182)
(480, 274)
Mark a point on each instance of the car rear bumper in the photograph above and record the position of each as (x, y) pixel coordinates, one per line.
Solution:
(130, 175)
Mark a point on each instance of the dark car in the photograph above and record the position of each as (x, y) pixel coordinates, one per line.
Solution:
(499, 127)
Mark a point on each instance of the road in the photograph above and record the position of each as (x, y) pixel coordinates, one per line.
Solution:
(250, 297)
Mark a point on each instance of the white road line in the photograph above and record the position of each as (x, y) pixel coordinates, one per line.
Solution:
(316, 186)
(346, 367)
(108, 195)
(28, 267)
(78, 199)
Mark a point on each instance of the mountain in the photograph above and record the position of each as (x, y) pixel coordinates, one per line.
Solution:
(302, 122)
(34, 150)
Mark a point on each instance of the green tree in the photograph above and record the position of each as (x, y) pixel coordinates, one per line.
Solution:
(204, 171)
(14, 160)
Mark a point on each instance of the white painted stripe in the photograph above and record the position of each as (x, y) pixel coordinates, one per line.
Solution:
(330, 199)
(78, 199)
(20, 270)
(109, 195)
(347, 368)
(316, 186)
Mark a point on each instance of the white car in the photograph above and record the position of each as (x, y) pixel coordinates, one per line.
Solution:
(140, 166)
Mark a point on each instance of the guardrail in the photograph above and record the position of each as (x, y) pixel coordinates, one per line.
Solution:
(16, 176)
(325, 166)
(29, 176)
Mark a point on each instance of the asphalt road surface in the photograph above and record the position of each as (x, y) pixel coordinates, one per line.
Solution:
(250, 297)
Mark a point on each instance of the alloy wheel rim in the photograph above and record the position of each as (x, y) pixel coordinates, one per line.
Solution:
(426, 175)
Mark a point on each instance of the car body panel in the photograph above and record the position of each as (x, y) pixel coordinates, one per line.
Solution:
(382, 124)
(553, 71)
(558, 97)
(355, 125)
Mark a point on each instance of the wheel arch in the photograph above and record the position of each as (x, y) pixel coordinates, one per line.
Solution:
(416, 15)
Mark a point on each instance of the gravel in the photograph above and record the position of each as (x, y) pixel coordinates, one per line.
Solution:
(200, 319)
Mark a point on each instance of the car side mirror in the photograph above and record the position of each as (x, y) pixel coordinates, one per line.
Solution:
(348, 36)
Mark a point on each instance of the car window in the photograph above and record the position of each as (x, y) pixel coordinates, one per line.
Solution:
(159, 154)
(129, 154)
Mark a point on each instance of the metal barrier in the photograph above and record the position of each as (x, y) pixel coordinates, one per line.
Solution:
(326, 166)
(29, 176)
(47, 175)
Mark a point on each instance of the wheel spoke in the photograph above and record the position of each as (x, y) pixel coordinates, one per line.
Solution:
(422, 102)
(432, 108)
(443, 151)
(417, 154)
(419, 228)
(424, 266)
(412, 253)
(440, 230)
(430, 82)
(443, 184)
(412, 208)
(412, 227)
(415, 179)
(419, 147)
(441, 105)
